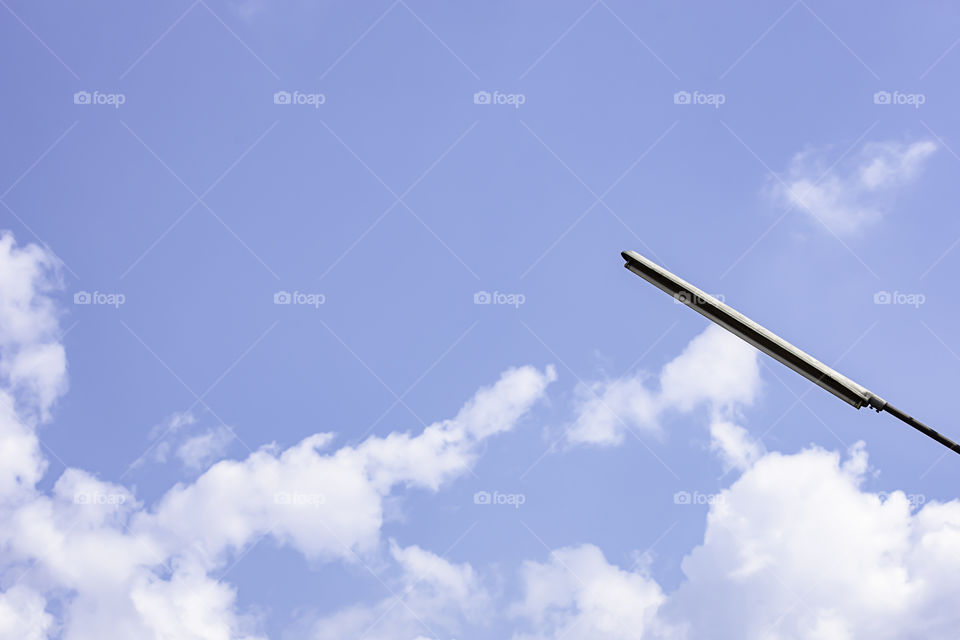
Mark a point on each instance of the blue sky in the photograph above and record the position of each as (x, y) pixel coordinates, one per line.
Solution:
(811, 172)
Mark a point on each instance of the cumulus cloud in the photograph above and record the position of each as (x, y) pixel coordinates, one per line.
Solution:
(799, 550)
(32, 360)
(578, 595)
(330, 503)
(22, 615)
(716, 369)
(795, 549)
(93, 539)
(850, 197)
(33, 363)
(21, 463)
(120, 569)
(189, 605)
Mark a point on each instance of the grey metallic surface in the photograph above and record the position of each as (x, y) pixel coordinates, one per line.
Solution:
(753, 333)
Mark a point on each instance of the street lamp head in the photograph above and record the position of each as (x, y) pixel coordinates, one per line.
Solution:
(748, 330)
(771, 344)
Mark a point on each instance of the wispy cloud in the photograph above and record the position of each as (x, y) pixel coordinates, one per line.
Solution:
(858, 192)
(436, 595)
(197, 452)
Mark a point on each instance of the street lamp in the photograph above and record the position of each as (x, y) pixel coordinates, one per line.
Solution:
(770, 343)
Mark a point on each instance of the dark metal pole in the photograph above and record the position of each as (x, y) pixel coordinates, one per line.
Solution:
(922, 428)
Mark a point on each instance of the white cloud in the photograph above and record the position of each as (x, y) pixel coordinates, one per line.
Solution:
(331, 504)
(716, 368)
(328, 504)
(578, 595)
(163, 437)
(607, 409)
(22, 615)
(432, 595)
(195, 452)
(172, 424)
(796, 549)
(120, 570)
(21, 463)
(199, 451)
(733, 444)
(857, 193)
(189, 606)
(32, 362)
